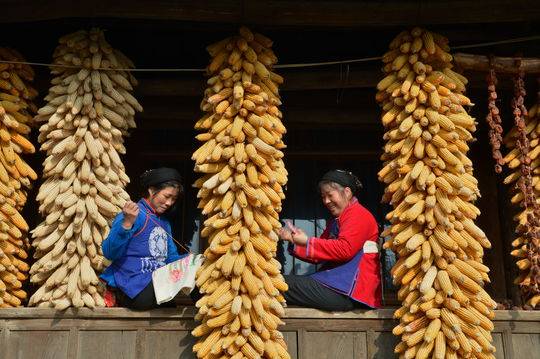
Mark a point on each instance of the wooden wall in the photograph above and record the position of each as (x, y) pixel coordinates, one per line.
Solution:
(165, 334)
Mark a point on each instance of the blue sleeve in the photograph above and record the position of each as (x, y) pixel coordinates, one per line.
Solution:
(172, 251)
(114, 246)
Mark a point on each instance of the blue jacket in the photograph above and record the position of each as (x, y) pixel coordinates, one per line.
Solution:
(135, 253)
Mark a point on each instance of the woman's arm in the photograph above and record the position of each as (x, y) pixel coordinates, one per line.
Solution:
(354, 232)
(114, 246)
(300, 251)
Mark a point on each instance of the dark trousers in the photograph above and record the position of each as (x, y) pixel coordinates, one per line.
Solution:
(307, 292)
(145, 300)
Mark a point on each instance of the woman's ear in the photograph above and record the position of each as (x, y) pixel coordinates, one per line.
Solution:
(348, 193)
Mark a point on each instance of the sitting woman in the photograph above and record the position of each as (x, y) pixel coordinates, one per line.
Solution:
(349, 277)
(140, 240)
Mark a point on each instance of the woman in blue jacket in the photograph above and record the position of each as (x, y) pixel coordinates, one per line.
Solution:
(140, 240)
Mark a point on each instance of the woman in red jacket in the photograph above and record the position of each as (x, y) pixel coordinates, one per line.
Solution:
(349, 277)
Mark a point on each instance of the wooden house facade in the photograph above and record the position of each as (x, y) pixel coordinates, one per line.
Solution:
(332, 120)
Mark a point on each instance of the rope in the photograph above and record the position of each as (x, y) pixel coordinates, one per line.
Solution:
(283, 66)
(170, 236)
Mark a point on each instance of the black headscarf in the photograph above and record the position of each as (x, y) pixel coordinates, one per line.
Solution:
(343, 178)
(155, 177)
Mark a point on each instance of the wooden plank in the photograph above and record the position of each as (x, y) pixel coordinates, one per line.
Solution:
(185, 314)
(388, 13)
(518, 326)
(291, 339)
(165, 322)
(500, 64)
(73, 342)
(302, 342)
(42, 344)
(370, 343)
(160, 334)
(105, 344)
(298, 79)
(4, 338)
(353, 155)
(321, 343)
(339, 325)
(103, 313)
(205, 10)
(360, 345)
(140, 344)
(499, 345)
(517, 315)
(169, 345)
(385, 313)
(176, 117)
(282, 13)
(523, 344)
(384, 343)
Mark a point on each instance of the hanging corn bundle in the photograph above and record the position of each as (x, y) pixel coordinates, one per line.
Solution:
(16, 113)
(240, 193)
(445, 312)
(89, 109)
(523, 160)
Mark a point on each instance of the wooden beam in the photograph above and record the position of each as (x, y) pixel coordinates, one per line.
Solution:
(180, 117)
(203, 10)
(281, 13)
(304, 79)
(324, 78)
(505, 65)
(189, 312)
(367, 156)
(390, 13)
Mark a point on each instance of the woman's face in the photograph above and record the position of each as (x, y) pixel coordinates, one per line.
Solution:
(163, 199)
(335, 199)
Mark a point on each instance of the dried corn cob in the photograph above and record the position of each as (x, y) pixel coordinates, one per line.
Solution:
(16, 113)
(240, 192)
(89, 109)
(431, 186)
(522, 143)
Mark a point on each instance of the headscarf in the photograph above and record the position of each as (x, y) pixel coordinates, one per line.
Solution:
(155, 177)
(343, 178)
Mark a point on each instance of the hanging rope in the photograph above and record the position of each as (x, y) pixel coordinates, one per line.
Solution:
(283, 66)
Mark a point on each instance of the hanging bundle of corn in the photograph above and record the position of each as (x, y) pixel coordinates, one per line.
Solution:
(16, 113)
(240, 193)
(523, 161)
(89, 109)
(445, 312)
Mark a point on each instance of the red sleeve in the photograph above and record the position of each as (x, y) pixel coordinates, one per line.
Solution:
(301, 252)
(355, 229)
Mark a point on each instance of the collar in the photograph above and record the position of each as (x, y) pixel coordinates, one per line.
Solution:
(147, 205)
(353, 202)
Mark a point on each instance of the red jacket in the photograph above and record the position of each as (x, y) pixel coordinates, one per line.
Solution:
(347, 269)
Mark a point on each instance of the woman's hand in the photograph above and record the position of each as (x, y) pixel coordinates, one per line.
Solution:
(285, 234)
(299, 237)
(131, 211)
